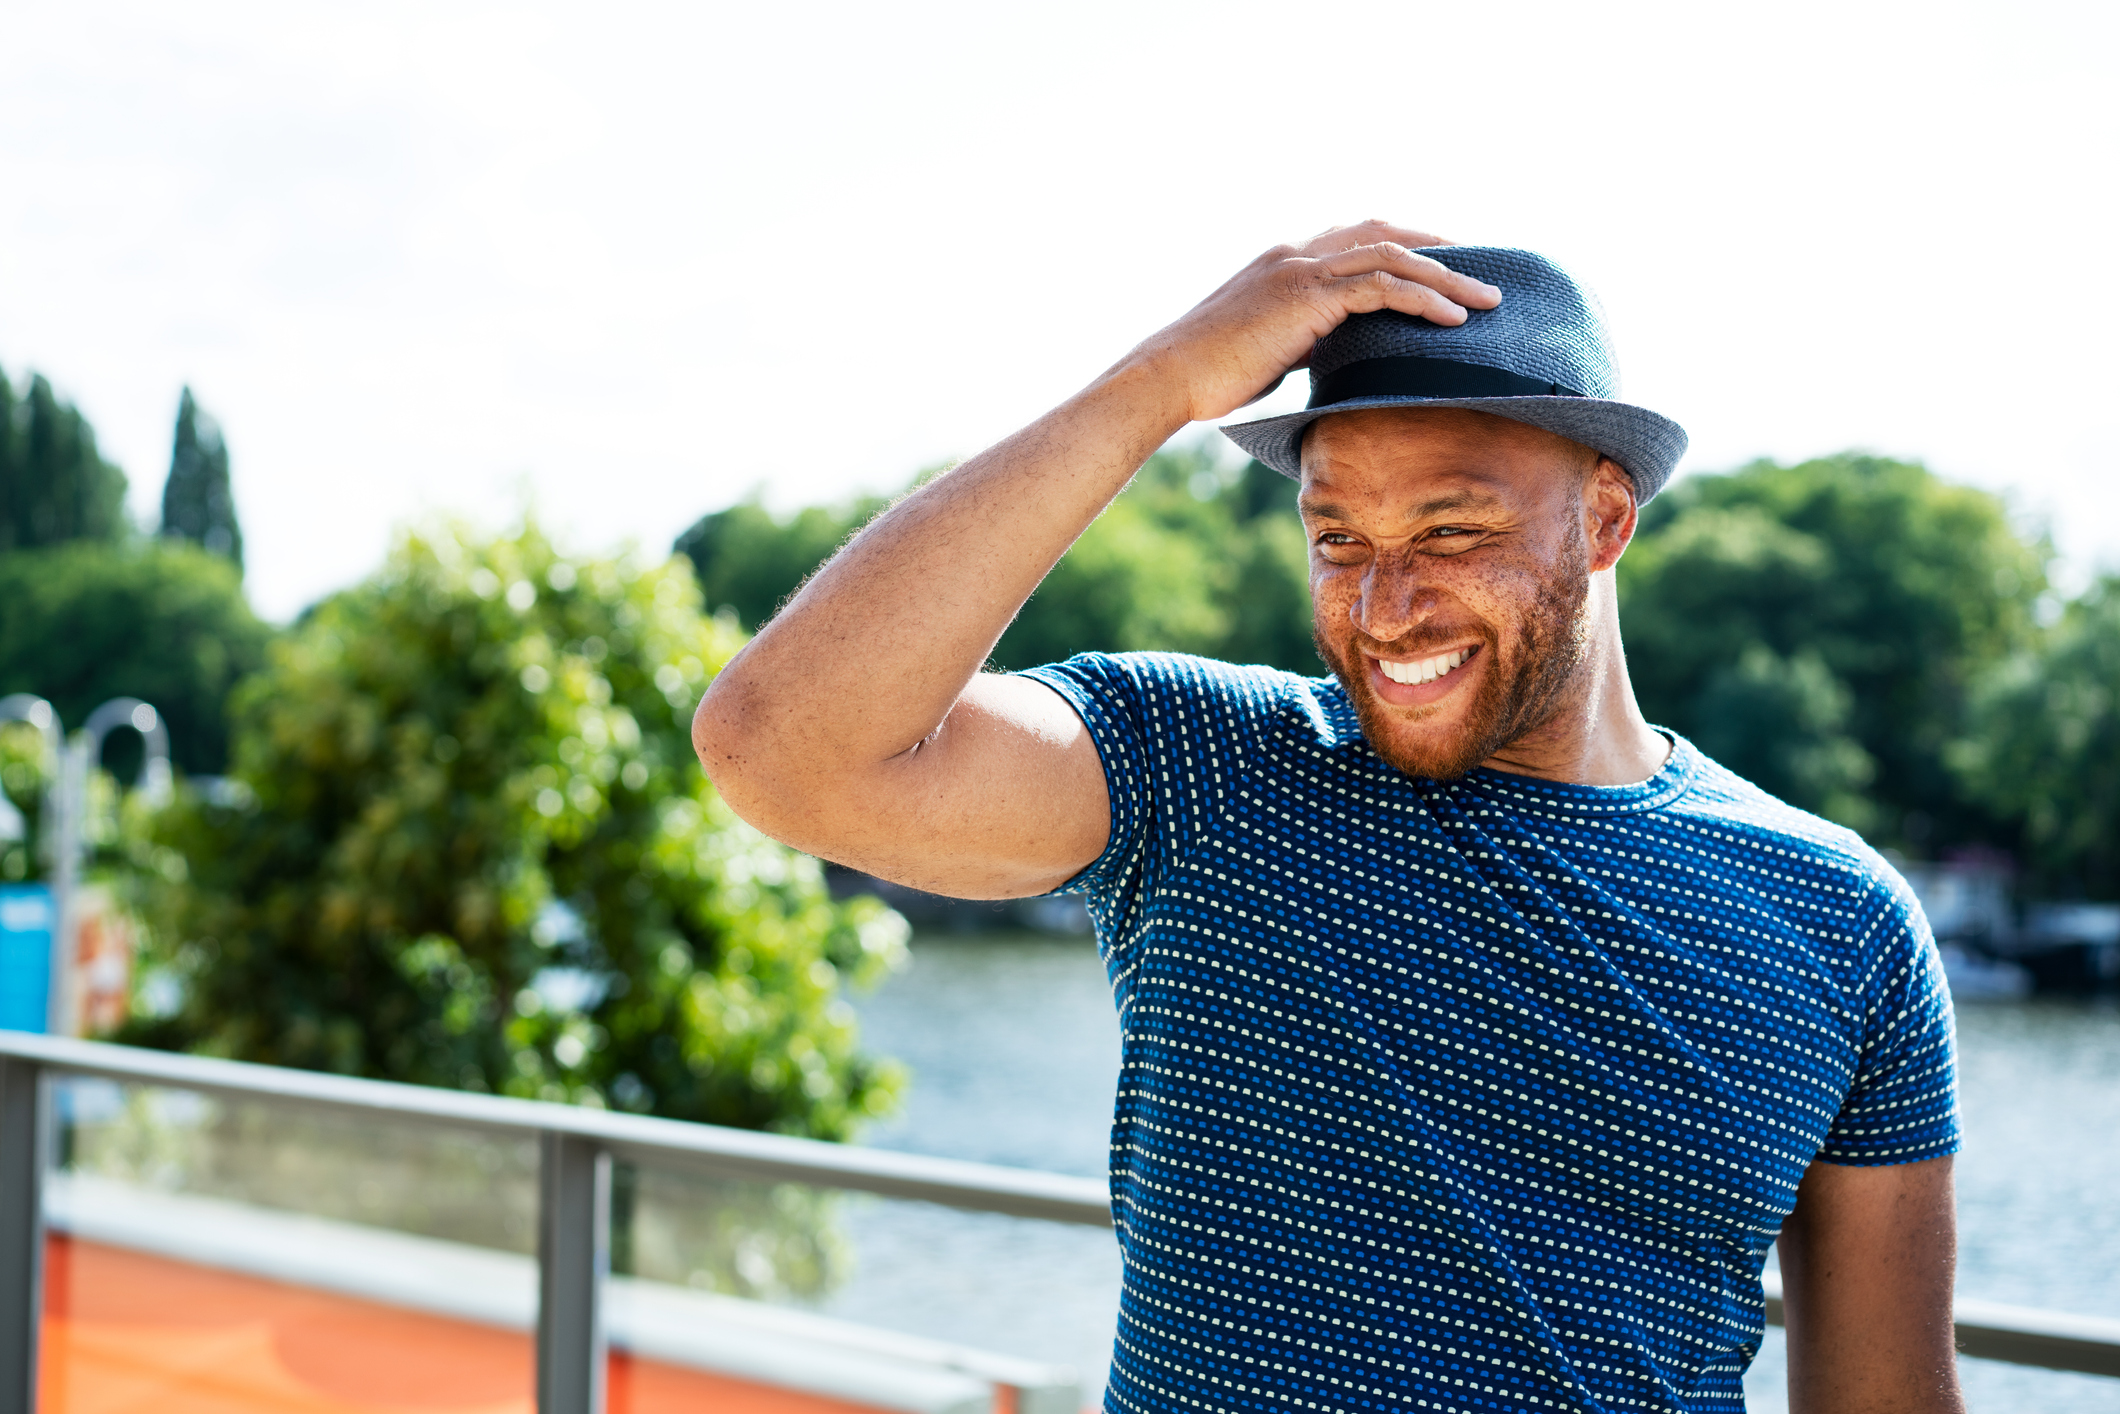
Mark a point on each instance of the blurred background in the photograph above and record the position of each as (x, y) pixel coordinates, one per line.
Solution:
(405, 409)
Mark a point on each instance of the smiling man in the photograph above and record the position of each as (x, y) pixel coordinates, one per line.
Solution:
(1480, 1038)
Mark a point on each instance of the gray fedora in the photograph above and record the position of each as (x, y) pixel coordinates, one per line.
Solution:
(1541, 357)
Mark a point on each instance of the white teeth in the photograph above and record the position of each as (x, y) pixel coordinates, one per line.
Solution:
(1426, 670)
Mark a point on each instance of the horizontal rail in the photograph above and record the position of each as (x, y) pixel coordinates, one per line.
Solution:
(2017, 1335)
(699, 1148)
(1986, 1330)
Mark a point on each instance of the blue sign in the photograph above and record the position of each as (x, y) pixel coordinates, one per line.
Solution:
(27, 917)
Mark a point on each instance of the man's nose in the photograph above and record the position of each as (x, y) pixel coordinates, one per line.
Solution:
(1394, 601)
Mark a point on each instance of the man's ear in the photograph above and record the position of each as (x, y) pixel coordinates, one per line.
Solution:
(1609, 513)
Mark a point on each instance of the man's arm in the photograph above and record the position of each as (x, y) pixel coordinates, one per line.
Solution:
(1867, 1262)
(857, 724)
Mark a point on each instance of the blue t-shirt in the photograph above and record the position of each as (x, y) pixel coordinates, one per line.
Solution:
(1481, 1095)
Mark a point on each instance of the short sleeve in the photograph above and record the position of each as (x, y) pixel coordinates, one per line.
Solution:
(1173, 733)
(1903, 1105)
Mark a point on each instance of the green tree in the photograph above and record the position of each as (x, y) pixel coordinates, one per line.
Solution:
(26, 768)
(54, 485)
(2044, 749)
(198, 503)
(1187, 559)
(467, 844)
(1824, 623)
(750, 561)
(1781, 723)
(164, 621)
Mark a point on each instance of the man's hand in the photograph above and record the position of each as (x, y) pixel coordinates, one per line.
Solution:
(1263, 322)
(857, 724)
(1867, 1261)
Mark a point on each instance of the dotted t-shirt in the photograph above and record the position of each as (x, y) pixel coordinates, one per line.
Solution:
(1482, 1095)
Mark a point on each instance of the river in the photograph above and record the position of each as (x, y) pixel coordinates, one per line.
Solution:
(1014, 1050)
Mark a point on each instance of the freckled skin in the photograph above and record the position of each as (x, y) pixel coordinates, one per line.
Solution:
(1434, 531)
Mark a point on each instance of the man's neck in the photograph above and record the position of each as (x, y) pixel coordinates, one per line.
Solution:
(1597, 735)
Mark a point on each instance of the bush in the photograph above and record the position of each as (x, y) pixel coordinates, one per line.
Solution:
(466, 843)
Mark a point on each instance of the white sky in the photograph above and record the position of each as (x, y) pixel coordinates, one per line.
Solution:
(628, 261)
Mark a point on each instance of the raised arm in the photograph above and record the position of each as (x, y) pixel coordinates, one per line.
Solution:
(1867, 1264)
(857, 724)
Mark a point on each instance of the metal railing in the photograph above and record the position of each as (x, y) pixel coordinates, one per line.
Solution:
(576, 1147)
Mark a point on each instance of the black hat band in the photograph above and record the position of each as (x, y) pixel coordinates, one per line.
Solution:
(1410, 377)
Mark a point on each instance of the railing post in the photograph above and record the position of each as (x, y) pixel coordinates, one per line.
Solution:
(573, 1258)
(25, 1150)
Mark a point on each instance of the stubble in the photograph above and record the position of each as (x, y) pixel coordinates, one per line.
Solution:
(1520, 693)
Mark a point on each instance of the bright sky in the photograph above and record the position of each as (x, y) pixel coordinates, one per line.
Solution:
(625, 262)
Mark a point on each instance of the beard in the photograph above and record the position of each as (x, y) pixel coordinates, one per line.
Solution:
(1519, 695)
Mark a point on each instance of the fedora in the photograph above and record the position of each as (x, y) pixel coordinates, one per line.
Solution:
(1542, 357)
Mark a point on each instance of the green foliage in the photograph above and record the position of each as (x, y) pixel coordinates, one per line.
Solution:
(1176, 563)
(1820, 628)
(26, 768)
(117, 828)
(467, 844)
(162, 621)
(1781, 723)
(1189, 558)
(197, 502)
(749, 561)
(54, 485)
(2044, 749)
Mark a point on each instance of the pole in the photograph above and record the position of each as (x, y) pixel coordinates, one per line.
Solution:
(573, 1258)
(69, 809)
(77, 760)
(25, 1150)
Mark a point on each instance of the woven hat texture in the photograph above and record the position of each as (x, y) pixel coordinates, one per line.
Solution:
(1547, 329)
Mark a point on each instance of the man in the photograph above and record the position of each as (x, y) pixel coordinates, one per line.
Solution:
(1479, 1037)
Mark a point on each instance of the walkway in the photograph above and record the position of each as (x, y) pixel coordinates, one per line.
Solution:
(129, 1333)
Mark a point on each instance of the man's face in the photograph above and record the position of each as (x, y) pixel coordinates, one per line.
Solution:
(1450, 573)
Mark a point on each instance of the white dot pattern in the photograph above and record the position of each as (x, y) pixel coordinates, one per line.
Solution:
(1484, 1095)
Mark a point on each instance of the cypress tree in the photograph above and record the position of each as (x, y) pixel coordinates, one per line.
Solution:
(197, 503)
(54, 485)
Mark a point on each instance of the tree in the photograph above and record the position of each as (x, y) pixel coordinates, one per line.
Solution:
(197, 502)
(1824, 623)
(165, 621)
(1781, 723)
(750, 562)
(1188, 559)
(467, 844)
(2044, 749)
(54, 485)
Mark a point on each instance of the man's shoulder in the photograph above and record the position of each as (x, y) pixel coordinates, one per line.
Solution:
(1809, 848)
(1176, 687)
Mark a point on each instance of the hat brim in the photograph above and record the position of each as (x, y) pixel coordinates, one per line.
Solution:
(1647, 444)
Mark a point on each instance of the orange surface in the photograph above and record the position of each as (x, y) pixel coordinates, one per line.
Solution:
(131, 1334)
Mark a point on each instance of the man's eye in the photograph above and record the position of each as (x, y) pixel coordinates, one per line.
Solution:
(1454, 532)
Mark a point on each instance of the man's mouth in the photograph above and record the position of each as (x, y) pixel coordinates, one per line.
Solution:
(1425, 669)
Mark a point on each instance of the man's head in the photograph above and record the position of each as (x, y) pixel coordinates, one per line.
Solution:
(1459, 568)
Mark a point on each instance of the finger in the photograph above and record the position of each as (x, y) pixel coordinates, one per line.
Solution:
(1380, 289)
(1370, 232)
(1392, 258)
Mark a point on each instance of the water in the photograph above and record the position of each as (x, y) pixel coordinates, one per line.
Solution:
(1014, 1049)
